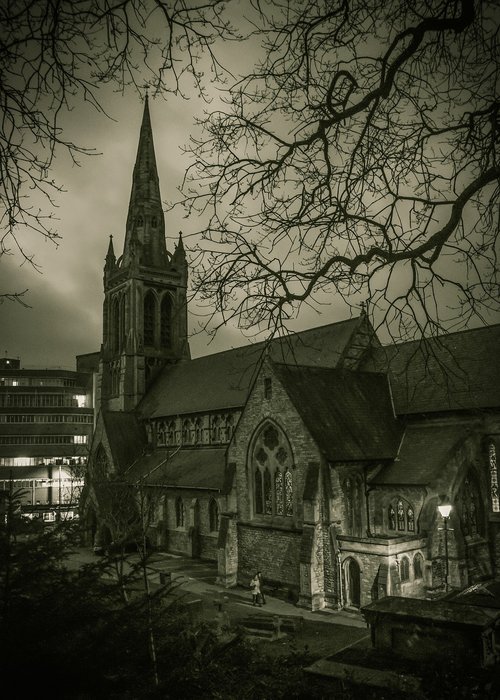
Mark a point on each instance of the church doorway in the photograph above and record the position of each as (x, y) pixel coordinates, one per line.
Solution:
(352, 578)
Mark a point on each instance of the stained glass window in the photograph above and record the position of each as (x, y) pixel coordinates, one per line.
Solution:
(401, 515)
(259, 503)
(410, 519)
(392, 518)
(492, 461)
(268, 497)
(278, 492)
(274, 493)
(288, 493)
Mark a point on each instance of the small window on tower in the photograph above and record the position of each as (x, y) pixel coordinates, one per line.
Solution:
(154, 222)
(268, 388)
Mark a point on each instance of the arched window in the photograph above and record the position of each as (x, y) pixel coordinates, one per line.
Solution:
(101, 463)
(187, 432)
(161, 435)
(166, 322)
(179, 512)
(122, 322)
(140, 221)
(401, 516)
(198, 431)
(353, 494)
(418, 565)
(216, 429)
(149, 319)
(116, 324)
(492, 464)
(469, 506)
(392, 518)
(213, 512)
(404, 569)
(229, 427)
(171, 432)
(273, 477)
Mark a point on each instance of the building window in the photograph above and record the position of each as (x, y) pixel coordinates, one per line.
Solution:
(229, 427)
(213, 511)
(171, 432)
(198, 431)
(166, 322)
(116, 324)
(273, 473)
(179, 512)
(161, 434)
(469, 505)
(492, 463)
(187, 432)
(216, 429)
(418, 565)
(401, 516)
(149, 319)
(404, 569)
(268, 388)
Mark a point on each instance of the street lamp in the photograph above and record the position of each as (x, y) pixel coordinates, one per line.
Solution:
(445, 509)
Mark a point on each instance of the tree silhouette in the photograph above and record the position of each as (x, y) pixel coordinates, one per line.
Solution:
(359, 158)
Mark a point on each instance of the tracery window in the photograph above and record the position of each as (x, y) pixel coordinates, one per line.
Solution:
(216, 429)
(401, 516)
(187, 432)
(229, 427)
(492, 463)
(418, 565)
(166, 322)
(404, 569)
(213, 512)
(469, 504)
(273, 473)
(149, 319)
(353, 496)
(180, 512)
(116, 324)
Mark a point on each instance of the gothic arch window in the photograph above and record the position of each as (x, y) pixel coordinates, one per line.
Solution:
(187, 432)
(180, 512)
(149, 319)
(171, 433)
(198, 431)
(469, 506)
(101, 463)
(213, 514)
(140, 221)
(229, 427)
(161, 434)
(122, 322)
(418, 565)
(492, 464)
(404, 569)
(216, 429)
(154, 222)
(401, 515)
(166, 322)
(353, 495)
(116, 324)
(272, 468)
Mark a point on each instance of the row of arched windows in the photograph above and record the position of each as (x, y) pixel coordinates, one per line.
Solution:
(405, 567)
(199, 430)
(213, 514)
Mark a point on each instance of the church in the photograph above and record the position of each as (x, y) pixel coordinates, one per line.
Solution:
(319, 459)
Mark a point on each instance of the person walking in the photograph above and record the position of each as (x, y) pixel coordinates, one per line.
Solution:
(255, 587)
(261, 588)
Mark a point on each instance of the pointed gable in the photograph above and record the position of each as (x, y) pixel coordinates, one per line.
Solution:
(349, 414)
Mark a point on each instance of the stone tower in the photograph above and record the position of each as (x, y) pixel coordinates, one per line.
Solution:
(145, 306)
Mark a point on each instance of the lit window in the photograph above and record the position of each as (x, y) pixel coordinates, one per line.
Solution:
(80, 439)
(492, 463)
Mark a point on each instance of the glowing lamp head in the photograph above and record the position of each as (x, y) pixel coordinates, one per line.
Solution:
(445, 510)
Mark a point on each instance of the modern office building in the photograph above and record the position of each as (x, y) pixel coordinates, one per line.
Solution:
(46, 420)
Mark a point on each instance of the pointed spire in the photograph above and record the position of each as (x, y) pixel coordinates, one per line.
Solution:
(110, 255)
(145, 220)
(179, 256)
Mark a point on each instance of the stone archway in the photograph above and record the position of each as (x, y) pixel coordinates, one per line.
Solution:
(352, 583)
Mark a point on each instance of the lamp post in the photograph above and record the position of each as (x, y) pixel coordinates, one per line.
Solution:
(445, 509)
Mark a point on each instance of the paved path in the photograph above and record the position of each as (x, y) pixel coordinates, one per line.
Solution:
(198, 577)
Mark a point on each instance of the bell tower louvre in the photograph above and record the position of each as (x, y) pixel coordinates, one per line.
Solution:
(145, 305)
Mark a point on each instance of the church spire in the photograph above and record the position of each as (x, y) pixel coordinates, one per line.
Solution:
(145, 235)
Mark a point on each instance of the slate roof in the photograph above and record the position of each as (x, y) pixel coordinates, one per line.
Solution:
(222, 380)
(430, 610)
(425, 450)
(202, 468)
(126, 435)
(458, 371)
(349, 414)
